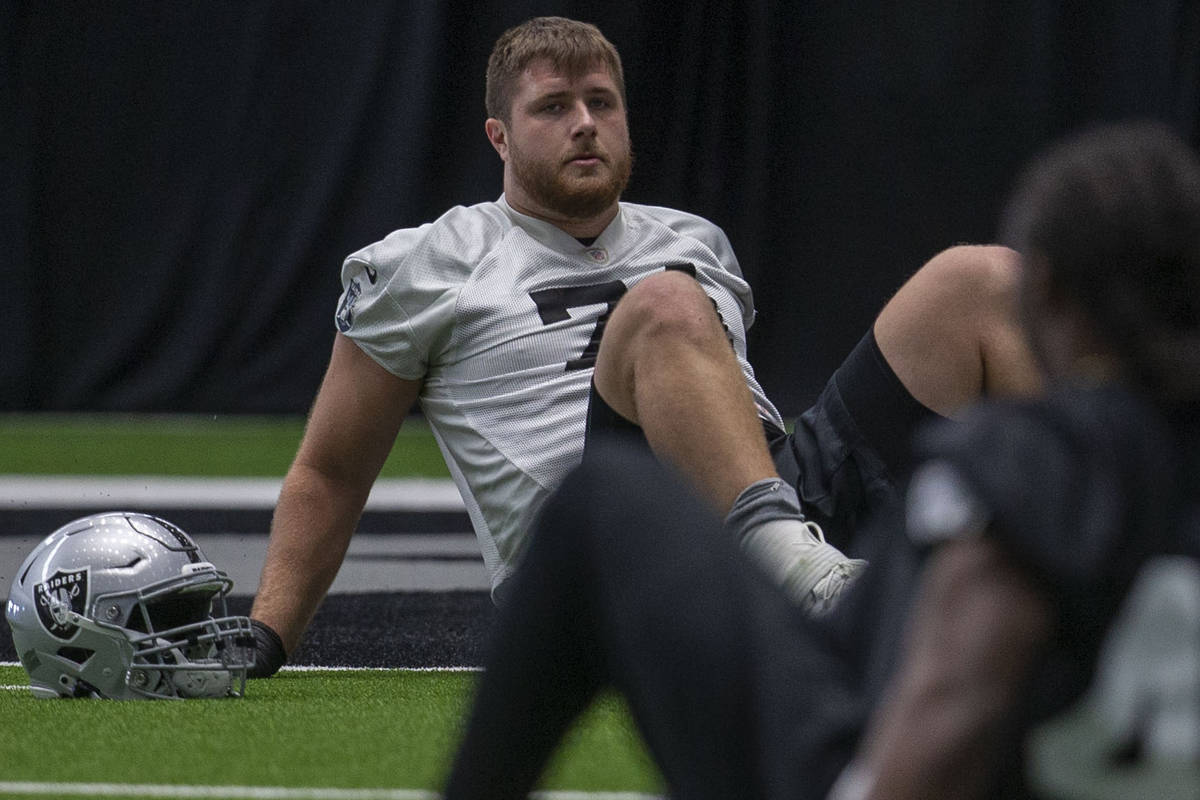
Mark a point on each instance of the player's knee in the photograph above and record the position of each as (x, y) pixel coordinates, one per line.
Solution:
(982, 277)
(655, 317)
(669, 304)
(986, 283)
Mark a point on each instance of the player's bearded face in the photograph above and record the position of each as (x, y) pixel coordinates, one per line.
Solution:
(567, 143)
(569, 187)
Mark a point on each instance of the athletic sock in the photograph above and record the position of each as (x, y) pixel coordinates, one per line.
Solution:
(795, 558)
(772, 531)
(763, 501)
(767, 521)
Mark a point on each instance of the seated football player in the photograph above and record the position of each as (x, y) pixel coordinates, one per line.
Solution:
(527, 326)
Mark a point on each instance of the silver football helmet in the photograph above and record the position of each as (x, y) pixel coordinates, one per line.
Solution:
(121, 605)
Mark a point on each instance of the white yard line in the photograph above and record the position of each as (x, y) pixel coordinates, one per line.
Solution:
(293, 668)
(171, 791)
(317, 668)
(183, 791)
(23, 492)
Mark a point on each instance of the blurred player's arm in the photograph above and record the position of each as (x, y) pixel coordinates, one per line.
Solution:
(351, 428)
(976, 627)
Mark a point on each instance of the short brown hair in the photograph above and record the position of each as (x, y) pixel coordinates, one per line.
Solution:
(573, 47)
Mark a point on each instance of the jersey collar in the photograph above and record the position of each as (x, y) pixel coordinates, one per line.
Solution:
(555, 238)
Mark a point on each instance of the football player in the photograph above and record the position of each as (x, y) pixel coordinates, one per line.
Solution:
(522, 325)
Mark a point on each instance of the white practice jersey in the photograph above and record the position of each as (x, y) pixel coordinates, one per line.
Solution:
(499, 315)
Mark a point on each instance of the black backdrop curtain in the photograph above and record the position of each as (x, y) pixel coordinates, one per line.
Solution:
(182, 179)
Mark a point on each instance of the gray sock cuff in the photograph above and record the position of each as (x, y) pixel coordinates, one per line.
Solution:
(763, 501)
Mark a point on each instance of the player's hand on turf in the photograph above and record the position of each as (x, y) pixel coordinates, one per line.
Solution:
(269, 654)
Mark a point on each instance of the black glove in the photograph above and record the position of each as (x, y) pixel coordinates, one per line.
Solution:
(269, 654)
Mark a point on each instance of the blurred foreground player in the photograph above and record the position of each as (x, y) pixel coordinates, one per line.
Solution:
(121, 606)
(1026, 524)
(523, 326)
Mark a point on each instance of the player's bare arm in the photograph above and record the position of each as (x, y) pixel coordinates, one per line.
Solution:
(977, 624)
(353, 423)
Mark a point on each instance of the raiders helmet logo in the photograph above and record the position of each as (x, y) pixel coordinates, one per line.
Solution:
(58, 595)
(345, 312)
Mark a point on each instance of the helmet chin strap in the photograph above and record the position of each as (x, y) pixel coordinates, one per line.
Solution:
(203, 682)
(75, 688)
(195, 683)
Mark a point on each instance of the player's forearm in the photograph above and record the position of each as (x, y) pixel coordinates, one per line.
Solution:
(311, 529)
(939, 742)
(976, 627)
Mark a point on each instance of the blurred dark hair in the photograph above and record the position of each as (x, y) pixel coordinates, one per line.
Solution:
(1114, 214)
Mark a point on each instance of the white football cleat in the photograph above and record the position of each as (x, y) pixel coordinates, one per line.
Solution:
(813, 573)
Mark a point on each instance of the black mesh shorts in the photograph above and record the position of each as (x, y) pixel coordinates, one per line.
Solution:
(848, 453)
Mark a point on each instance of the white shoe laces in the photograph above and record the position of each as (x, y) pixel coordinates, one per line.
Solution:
(828, 588)
(812, 572)
(826, 591)
(815, 530)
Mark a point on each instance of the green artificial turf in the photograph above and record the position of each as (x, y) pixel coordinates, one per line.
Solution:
(306, 729)
(57, 444)
(384, 728)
